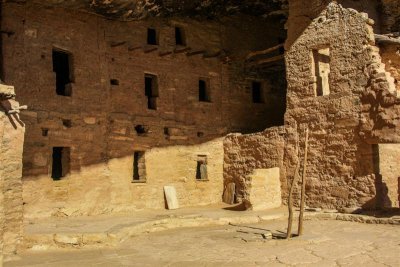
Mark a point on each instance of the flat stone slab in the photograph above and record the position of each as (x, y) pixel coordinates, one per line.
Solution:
(171, 197)
(265, 189)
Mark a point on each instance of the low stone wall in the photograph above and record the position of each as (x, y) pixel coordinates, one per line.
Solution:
(246, 153)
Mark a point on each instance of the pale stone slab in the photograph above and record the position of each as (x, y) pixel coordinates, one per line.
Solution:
(229, 193)
(171, 197)
(265, 189)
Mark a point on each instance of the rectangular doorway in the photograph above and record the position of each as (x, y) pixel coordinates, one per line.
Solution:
(60, 162)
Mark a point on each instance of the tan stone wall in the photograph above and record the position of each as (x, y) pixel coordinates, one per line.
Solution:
(246, 153)
(389, 169)
(340, 164)
(341, 157)
(2, 213)
(12, 131)
(106, 188)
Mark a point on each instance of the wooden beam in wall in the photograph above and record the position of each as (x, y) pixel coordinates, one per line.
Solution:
(380, 38)
(263, 52)
(267, 60)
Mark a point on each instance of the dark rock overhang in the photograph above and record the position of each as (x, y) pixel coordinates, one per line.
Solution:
(141, 9)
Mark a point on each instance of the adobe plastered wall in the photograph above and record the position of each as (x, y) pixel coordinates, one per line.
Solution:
(103, 116)
(341, 163)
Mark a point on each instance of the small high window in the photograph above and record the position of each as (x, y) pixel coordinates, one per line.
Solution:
(60, 162)
(62, 66)
(257, 92)
(139, 167)
(201, 170)
(141, 130)
(321, 70)
(151, 90)
(114, 82)
(152, 36)
(180, 36)
(204, 91)
(45, 132)
(67, 123)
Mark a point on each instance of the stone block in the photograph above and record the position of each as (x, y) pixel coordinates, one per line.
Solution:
(229, 193)
(7, 90)
(265, 189)
(171, 197)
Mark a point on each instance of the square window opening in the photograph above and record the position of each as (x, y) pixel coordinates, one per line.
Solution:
(45, 132)
(114, 82)
(67, 123)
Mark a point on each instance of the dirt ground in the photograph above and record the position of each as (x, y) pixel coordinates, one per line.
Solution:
(325, 243)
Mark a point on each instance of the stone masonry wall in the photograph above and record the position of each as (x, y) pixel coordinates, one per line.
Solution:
(245, 153)
(11, 205)
(341, 162)
(101, 117)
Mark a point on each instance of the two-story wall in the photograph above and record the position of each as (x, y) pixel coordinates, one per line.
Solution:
(339, 89)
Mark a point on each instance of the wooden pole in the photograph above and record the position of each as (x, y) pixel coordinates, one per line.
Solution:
(290, 201)
(303, 185)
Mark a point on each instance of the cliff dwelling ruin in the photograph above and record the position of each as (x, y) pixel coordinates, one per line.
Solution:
(107, 105)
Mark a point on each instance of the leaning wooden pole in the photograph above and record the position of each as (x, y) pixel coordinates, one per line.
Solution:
(303, 186)
(290, 201)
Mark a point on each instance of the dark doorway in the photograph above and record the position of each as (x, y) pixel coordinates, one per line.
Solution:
(152, 36)
(139, 168)
(62, 68)
(204, 92)
(180, 36)
(60, 162)
(257, 92)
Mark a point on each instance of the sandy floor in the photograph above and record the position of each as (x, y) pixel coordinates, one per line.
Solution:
(325, 243)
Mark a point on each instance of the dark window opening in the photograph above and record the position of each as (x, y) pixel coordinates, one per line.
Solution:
(114, 82)
(166, 131)
(139, 167)
(67, 123)
(151, 90)
(63, 68)
(201, 170)
(180, 36)
(45, 132)
(152, 36)
(60, 162)
(141, 130)
(257, 92)
(282, 48)
(204, 92)
(200, 134)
